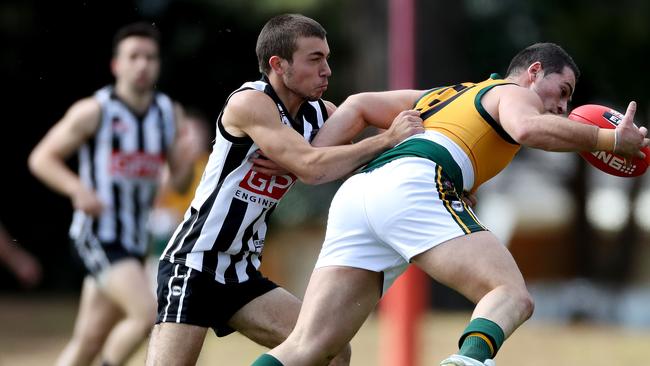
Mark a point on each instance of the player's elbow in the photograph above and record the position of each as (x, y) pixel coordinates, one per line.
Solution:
(523, 134)
(35, 161)
(355, 106)
(531, 132)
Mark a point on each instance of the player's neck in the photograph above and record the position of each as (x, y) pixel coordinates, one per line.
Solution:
(291, 100)
(137, 100)
(519, 79)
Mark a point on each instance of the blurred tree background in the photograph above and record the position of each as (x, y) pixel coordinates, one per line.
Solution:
(57, 52)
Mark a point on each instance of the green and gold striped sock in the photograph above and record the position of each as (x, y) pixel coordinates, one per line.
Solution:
(481, 340)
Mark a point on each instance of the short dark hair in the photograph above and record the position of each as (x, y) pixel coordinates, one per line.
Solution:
(552, 57)
(139, 29)
(279, 36)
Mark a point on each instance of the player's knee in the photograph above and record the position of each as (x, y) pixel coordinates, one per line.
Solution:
(528, 305)
(524, 302)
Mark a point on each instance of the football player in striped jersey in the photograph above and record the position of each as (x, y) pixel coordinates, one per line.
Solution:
(124, 134)
(209, 276)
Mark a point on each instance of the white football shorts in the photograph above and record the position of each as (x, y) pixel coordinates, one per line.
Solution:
(381, 219)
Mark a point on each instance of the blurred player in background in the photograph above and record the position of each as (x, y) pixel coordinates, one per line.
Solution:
(23, 265)
(407, 205)
(124, 135)
(208, 275)
(170, 204)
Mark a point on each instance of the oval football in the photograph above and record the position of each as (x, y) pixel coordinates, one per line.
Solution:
(606, 161)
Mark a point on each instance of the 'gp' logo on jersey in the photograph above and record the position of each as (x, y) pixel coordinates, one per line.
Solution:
(274, 187)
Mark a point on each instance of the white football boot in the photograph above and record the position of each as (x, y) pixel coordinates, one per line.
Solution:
(458, 360)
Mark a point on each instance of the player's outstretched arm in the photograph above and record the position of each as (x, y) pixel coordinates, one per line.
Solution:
(287, 148)
(521, 114)
(47, 160)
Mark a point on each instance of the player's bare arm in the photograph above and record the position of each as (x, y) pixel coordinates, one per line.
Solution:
(264, 165)
(521, 114)
(359, 111)
(284, 146)
(47, 160)
(181, 151)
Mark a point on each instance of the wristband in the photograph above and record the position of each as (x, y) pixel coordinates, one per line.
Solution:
(605, 140)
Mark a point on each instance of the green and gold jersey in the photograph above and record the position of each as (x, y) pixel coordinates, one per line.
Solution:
(457, 113)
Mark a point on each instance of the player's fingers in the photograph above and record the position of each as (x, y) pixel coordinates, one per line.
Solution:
(271, 169)
(408, 114)
(263, 162)
(414, 123)
(259, 154)
(646, 142)
(411, 112)
(402, 114)
(643, 131)
(266, 171)
(629, 113)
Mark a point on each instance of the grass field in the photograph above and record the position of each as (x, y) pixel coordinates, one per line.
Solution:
(34, 329)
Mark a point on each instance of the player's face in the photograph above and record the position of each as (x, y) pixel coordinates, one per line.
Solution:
(307, 75)
(137, 62)
(556, 90)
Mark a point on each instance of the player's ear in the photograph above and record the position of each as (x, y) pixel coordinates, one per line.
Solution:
(113, 66)
(277, 64)
(534, 70)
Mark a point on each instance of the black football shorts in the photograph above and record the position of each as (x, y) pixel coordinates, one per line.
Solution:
(188, 296)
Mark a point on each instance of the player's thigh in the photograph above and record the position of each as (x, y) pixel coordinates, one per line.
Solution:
(97, 313)
(268, 319)
(337, 302)
(128, 285)
(472, 264)
(175, 344)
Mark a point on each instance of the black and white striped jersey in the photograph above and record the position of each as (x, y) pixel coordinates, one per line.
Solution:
(122, 163)
(224, 228)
